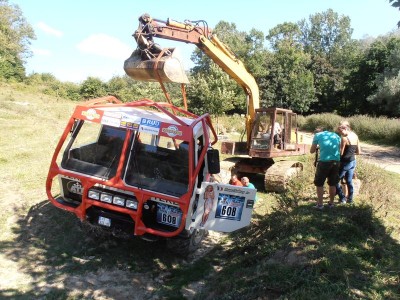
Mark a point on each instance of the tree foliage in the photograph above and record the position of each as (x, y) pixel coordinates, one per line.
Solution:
(92, 88)
(312, 66)
(248, 48)
(289, 82)
(377, 70)
(327, 38)
(395, 3)
(211, 93)
(386, 97)
(15, 37)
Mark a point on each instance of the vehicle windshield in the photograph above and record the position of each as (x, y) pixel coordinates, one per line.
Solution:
(261, 134)
(159, 164)
(94, 150)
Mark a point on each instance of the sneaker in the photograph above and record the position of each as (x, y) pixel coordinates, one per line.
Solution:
(343, 200)
(319, 207)
(331, 205)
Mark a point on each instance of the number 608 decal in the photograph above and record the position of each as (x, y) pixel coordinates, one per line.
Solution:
(229, 207)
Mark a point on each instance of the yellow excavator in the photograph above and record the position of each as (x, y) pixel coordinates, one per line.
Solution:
(271, 132)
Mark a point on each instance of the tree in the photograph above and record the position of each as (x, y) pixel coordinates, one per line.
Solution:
(395, 3)
(285, 35)
(255, 53)
(327, 38)
(92, 88)
(378, 68)
(246, 47)
(15, 37)
(211, 92)
(289, 83)
(386, 98)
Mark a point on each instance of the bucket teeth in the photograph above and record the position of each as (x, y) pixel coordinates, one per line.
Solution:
(143, 67)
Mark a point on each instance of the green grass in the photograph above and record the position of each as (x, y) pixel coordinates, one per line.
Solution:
(289, 251)
(296, 252)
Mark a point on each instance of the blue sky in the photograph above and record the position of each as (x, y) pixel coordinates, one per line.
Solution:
(81, 38)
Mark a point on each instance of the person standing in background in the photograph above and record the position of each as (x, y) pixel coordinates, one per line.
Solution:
(350, 146)
(328, 144)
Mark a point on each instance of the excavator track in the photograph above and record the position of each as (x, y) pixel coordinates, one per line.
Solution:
(278, 175)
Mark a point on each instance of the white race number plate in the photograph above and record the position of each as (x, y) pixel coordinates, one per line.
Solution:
(104, 221)
(168, 215)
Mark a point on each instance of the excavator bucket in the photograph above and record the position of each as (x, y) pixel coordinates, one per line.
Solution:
(168, 68)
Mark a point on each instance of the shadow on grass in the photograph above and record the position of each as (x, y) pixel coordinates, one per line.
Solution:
(60, 257)
(342, 253)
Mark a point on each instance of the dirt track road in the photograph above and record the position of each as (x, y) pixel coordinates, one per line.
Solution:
(385, 157)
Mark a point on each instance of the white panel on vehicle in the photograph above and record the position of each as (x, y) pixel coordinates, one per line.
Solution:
(224, 207)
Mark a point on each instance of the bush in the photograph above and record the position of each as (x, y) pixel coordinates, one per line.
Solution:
(328, 121)
(377, 130)
(380, 130)
(229, 124)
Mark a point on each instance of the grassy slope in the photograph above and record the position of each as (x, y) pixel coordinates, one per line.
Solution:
(290, 250)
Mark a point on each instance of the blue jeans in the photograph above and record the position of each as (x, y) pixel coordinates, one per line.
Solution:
(346, 171)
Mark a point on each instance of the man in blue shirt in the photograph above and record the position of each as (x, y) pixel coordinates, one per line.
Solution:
(246, 183)
(328, 144)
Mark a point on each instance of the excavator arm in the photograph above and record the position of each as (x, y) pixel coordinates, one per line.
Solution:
(205, 40)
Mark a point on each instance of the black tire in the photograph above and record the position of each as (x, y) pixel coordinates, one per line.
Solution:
(185, 246)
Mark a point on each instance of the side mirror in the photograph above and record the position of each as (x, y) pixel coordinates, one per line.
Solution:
(213, 161)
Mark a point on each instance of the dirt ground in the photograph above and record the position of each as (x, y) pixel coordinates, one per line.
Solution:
(385, 157)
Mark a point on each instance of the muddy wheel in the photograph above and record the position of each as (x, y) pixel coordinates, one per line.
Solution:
(185, 246)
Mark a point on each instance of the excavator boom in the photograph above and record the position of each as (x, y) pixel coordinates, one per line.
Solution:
(271, 132)
(150, 62)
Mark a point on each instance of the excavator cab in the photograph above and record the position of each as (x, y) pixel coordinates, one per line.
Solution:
(273, 138)
(274, 132)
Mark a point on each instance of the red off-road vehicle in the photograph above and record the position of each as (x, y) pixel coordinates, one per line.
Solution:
(141, 168)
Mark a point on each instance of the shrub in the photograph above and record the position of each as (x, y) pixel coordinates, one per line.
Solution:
(328, 121)
(380, 130)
